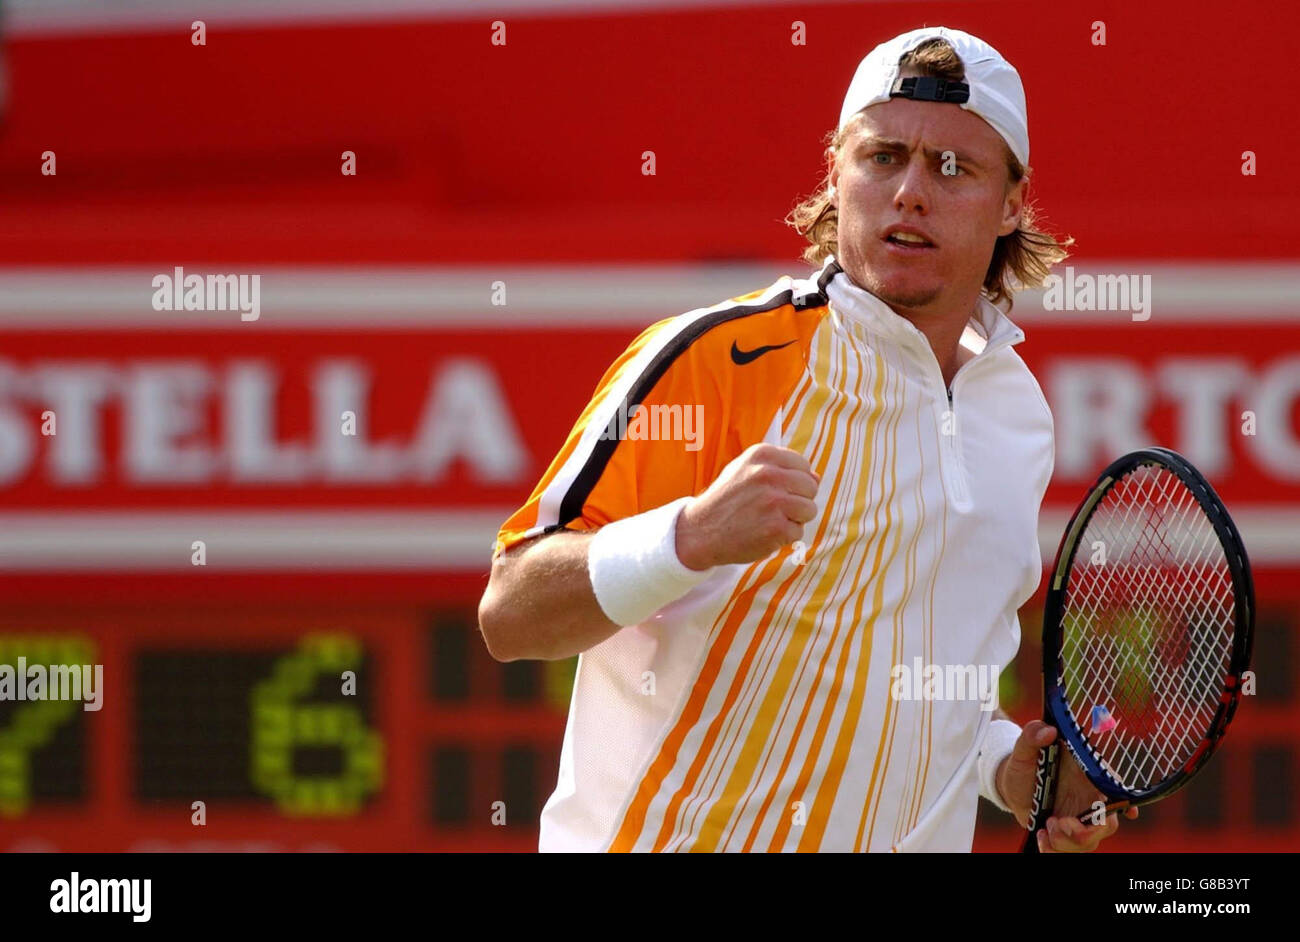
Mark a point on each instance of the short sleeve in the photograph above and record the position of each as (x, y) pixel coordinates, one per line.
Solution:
(683, 400)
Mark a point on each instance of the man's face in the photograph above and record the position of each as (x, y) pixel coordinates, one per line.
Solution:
(890, 174)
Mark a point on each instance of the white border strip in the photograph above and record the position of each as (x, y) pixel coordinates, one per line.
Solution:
(563, 296)
(274, 541)
(40, 17)
(366, 541)
(450, 298)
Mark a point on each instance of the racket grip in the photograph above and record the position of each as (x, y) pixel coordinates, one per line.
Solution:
(1044, 796)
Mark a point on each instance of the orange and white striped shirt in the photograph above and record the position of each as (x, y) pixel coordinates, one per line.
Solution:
(755, 713)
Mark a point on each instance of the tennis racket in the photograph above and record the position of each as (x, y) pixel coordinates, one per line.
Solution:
(1147, 630)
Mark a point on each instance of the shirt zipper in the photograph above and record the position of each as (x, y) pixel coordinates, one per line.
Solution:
(955, 478)
(955, 481)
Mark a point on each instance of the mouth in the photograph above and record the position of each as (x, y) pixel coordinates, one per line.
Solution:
(907, 241)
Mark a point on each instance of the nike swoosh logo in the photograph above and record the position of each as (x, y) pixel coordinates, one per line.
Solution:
(741, 357)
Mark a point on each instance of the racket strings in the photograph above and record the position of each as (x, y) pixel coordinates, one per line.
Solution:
(1147, 627)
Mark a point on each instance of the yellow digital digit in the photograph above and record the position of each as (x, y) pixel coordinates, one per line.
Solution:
(35, 721)
(281, 722)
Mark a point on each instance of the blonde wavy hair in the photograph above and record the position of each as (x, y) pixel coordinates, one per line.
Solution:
(1022, 259)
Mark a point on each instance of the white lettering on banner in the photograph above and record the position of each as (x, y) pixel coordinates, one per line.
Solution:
(1205, 386)
(338, 386)
(1102, 406)
(190, 422)
(254, 455)
(164, 406)
(169, 435)
(75, 393)
(17, 442)
(1274, 401)
(452, 424)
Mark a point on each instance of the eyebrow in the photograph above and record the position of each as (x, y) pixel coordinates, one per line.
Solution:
(898, 147)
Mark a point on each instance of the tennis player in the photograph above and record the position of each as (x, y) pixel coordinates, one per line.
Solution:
(861, 492)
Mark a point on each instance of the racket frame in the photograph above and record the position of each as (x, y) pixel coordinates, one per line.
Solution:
(1056, 711)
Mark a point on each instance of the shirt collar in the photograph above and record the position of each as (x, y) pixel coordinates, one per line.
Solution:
(987, 330)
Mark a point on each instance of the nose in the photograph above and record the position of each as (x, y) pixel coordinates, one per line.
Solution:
(913, 193)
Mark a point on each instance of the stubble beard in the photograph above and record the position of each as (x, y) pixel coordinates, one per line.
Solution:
(911, 300)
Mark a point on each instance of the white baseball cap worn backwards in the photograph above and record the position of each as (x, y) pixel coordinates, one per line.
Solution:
(992, 88)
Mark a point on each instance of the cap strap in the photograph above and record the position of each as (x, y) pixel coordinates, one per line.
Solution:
(929, 88)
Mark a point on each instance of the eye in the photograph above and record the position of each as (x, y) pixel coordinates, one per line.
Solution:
(882, 157)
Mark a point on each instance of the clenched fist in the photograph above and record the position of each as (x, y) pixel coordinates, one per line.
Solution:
(759, 503)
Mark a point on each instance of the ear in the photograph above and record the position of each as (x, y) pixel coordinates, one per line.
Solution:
(1013, 204)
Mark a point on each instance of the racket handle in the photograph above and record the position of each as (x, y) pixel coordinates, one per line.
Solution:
(1044, 796)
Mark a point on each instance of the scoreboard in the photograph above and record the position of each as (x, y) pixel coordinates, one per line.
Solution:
(385, 726)
(382, 728)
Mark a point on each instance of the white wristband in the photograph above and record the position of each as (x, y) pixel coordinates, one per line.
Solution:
(998, 743)
(634, 568)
